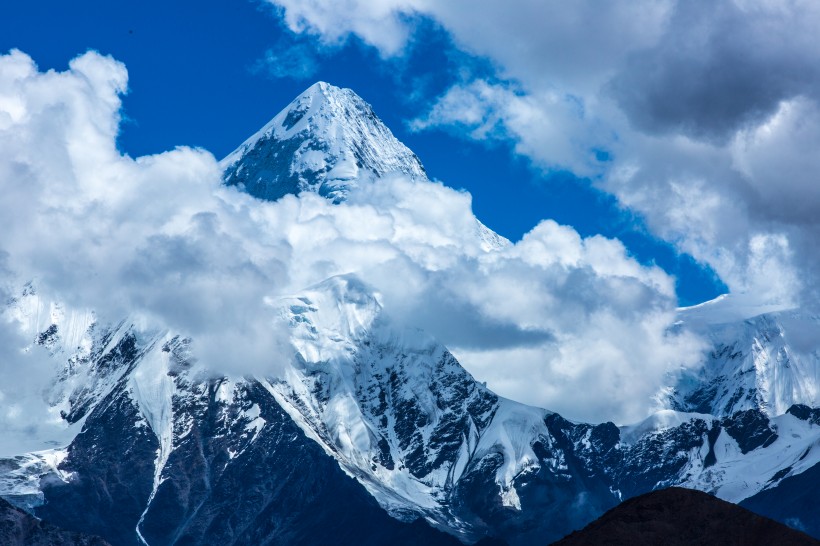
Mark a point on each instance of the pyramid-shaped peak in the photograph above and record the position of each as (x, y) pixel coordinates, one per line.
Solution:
(323, 92)
(320, 106)
(322, 87)
(325, 89)
(325, 141)
(329, 92)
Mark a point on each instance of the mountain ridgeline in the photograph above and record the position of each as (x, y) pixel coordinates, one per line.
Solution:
(375, 434)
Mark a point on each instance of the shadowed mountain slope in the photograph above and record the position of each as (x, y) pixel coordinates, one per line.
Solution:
(18, 528)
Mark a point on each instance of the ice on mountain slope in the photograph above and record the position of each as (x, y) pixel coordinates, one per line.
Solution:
(715, 461)
(89, 360)
(736, 476)
(20, 479)
(326, 141)
(152, 389)
(769, 361)
(393, 406)
(73, 340)
(61, 330)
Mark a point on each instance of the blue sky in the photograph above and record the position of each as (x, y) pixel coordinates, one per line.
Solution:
(198, 77)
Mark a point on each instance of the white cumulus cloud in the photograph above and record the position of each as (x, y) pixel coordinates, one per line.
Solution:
(708, 112)
(569, 323)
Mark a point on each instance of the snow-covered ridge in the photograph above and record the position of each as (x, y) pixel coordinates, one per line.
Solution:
(768, 361)
(393, 406)
(734, 457)
(736, 475)
(69, 336)
(727, 308)
(400, 415)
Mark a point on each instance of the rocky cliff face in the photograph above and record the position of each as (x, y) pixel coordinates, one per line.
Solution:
(231, 467)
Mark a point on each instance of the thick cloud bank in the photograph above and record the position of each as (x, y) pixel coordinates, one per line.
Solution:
(567, 323)
(709, 112)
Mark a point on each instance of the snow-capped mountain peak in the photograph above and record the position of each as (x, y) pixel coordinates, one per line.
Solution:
(762, 358)
(326, 140)
(328, 319)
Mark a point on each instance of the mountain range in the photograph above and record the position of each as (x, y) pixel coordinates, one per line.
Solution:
(374, 433)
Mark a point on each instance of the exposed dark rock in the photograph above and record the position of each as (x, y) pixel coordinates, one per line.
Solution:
(805, 413)
(112, 467)
(218, 487)
(656, 460)
(750, 429)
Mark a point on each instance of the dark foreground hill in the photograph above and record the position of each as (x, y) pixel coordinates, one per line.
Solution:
(678, 516)
(17, 528)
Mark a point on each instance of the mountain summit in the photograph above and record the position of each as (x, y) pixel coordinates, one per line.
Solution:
(324, 141)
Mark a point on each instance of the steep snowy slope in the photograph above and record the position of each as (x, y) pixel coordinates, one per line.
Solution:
(794, 500)
(402, 416)
(169, 454)
(165, 447)
(87, 359)
(733, 457)
(768, 361)
(394, 410)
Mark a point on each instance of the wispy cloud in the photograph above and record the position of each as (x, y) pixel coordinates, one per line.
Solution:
(287, 59)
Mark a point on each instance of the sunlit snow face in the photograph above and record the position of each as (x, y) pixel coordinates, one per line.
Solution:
(568, 323)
